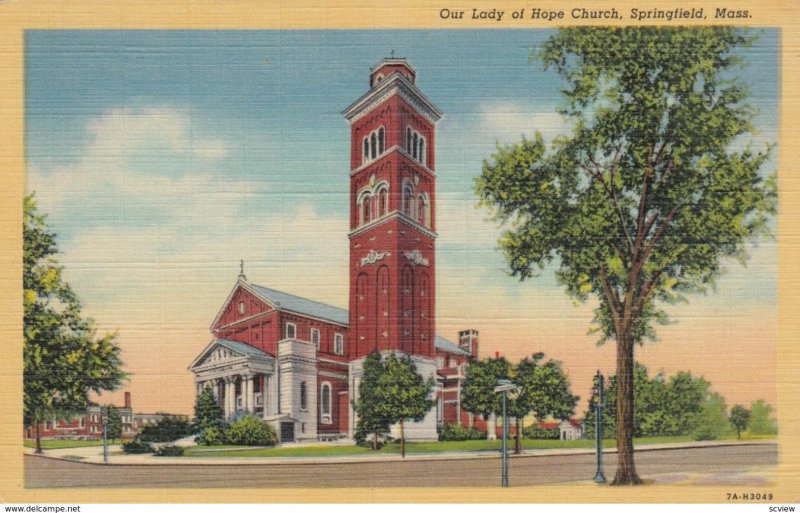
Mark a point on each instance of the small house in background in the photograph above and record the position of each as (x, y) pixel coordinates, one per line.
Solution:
(571, 429)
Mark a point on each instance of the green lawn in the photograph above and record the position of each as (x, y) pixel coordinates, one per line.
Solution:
(411, 448)
(64, 444)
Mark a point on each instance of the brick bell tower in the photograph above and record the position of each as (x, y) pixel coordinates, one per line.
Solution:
(392, 221)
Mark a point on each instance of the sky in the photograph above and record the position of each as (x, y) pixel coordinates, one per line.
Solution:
(163, 158)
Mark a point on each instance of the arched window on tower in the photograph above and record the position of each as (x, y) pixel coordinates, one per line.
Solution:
(365, 153)
(421, 152)
(408, 141)
(373, 142)
(408, 200)
(414, 145)
(383, 202)
(421, 210)
(381, 142)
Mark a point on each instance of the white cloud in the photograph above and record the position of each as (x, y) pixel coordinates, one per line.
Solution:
(122, 131)
(507, 122)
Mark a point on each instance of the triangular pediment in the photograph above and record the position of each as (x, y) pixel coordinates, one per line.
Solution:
(240, 305)
(221, 352)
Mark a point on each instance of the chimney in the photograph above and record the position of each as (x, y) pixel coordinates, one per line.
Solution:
(127, 400)
(468, 341)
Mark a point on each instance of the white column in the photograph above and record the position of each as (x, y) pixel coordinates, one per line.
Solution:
(266, 402)
(248, 394)
(272, 387)
(230, 397)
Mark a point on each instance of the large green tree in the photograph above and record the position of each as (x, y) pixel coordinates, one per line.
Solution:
(740, 417)
(542, 390)
(113, 423)
(662, 407)
(712, 421)
(371, 421)
(403, 394)
(649, 194)
(64, 360)
(477, 392)
(761, 420)
(207, 412)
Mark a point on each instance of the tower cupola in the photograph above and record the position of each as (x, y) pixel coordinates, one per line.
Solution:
(388, 67)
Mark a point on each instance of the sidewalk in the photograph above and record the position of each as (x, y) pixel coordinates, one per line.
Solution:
(94, 455)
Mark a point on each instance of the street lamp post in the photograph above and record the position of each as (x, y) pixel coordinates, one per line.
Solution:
(504, 386)
(598, 427)
(104, 417)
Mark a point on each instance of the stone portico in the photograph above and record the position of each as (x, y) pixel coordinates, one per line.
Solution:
(246, 380)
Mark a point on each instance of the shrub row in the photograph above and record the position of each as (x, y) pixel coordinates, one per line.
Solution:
(457, 432)
(246, 430)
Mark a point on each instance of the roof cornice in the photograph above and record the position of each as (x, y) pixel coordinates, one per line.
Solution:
(396, 84)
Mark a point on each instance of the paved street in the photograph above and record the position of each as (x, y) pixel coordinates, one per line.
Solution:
(736, 464)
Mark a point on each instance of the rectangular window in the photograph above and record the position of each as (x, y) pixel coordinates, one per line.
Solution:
(338, 343)
(291, 330)
(81, 424)
(315, 337)
(439, 362)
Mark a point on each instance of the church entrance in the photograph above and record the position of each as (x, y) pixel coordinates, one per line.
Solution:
(287, 432)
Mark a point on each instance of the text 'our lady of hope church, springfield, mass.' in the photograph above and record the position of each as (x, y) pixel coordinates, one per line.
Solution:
(582, 13)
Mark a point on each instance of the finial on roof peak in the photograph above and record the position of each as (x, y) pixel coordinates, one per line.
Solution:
(241, 271)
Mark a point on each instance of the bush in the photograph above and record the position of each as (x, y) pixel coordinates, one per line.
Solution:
(534, 432)
(168, 429)
(211, 436)
(457, 432)
(136, 446)
(251, 431)
(169, 450)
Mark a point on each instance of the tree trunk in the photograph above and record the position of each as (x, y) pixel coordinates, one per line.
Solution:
(38, 439)
(626, 470)
(375, 441)
(402, 440)
(518, 438)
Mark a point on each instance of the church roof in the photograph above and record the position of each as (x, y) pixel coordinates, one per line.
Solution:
(442, 344)
(240, 347)
(284, 301)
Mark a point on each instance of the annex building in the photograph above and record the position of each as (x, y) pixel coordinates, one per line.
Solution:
(297, 363)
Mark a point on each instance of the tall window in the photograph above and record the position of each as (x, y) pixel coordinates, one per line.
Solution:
(374, 144)
(315, 337)
(303, 396)
(291, 330)
(241, 307)
(421, 210)
(338, 343)
(415, 145)
(383, 202)
(325, 403)
(367, 205)
(408, 200)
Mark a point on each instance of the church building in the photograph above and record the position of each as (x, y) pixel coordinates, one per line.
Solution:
(298, 363)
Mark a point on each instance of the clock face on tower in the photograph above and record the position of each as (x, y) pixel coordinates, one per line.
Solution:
(392, 215)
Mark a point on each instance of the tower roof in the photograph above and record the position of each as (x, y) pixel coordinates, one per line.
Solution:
(390, 77)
